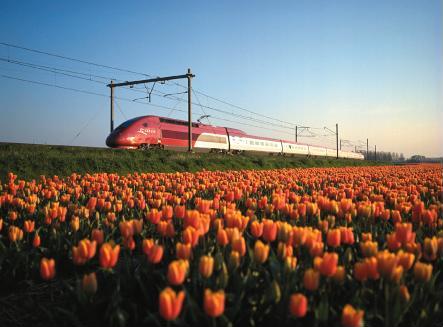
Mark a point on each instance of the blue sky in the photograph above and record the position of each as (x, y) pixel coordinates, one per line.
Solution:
(373, 67)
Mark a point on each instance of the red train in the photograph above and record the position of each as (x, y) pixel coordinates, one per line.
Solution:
(153, 131)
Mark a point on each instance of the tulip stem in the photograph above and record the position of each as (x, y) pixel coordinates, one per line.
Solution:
(387, 320)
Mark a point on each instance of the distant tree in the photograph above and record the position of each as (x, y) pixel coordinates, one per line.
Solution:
(417, 158)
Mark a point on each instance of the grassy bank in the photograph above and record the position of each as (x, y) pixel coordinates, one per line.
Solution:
(30, 161)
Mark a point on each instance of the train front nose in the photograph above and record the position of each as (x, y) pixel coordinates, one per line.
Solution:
(113, 140)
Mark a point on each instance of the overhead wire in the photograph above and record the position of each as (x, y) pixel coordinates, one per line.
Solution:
(73, 59)
(82, 91)
(84, 127)
(72, 73)
(159, 93)
(144, 74)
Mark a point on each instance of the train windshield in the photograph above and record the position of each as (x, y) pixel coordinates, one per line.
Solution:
(127, 123)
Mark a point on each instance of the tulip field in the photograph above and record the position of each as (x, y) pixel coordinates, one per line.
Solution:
(351, 246)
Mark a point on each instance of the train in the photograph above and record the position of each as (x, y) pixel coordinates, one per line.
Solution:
(147, 132)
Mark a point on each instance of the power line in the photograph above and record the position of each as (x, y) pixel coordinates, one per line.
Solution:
(33, 65)
(62, 72)
(84, 127)
(50, 70)
(143, 74)
(82, 91)
(73, 59)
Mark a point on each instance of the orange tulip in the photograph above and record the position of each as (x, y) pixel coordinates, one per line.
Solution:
(360, 271)
(206, 266)
(299, 236)
(15, 234)
(36, 241)
(47, 268)
(328, 265)
(170, 303)
(191, 236)
(368, 248)
(316, 249)
(340, 274)
(234, 260)
(284, 250)
(333, 238)
(28, 226)
(214, 303)
(386, 264)
(347, 235)
(430, 248)
(179, 212)
(184, 251)
(222, 237)
(126, 228)
(269, 230)
(290, 263)
(422, 271)
(351, 317)
(366, 237)
(256, 229)
(177, 271)
(98, 236)
(311, 279)
(298, 305)
(108, 256)
(403, 232)
(153, 252)
(284, 231)
(89, 283)
(239, 245)
(261, 252)
(393, 243)
(405, 259)
(83, 252)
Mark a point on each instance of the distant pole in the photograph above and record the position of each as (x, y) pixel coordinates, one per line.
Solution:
(336, 137)
(189, 111)
(296, 132)
(375, 152)
(355, 149)
(340, 144)
(112, 106)
(367, 149)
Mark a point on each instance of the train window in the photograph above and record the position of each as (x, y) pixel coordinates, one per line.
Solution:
(127, 123)
(261, 143)
(145, 124)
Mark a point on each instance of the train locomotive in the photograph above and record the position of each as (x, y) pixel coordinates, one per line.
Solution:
(160, 132)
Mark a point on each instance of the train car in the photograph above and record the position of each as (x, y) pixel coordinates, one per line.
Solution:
(295, 148)
(153, 131)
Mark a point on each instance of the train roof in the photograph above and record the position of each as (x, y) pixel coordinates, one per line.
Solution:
(185, 122)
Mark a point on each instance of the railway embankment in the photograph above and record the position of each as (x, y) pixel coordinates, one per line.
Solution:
(29, 161)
